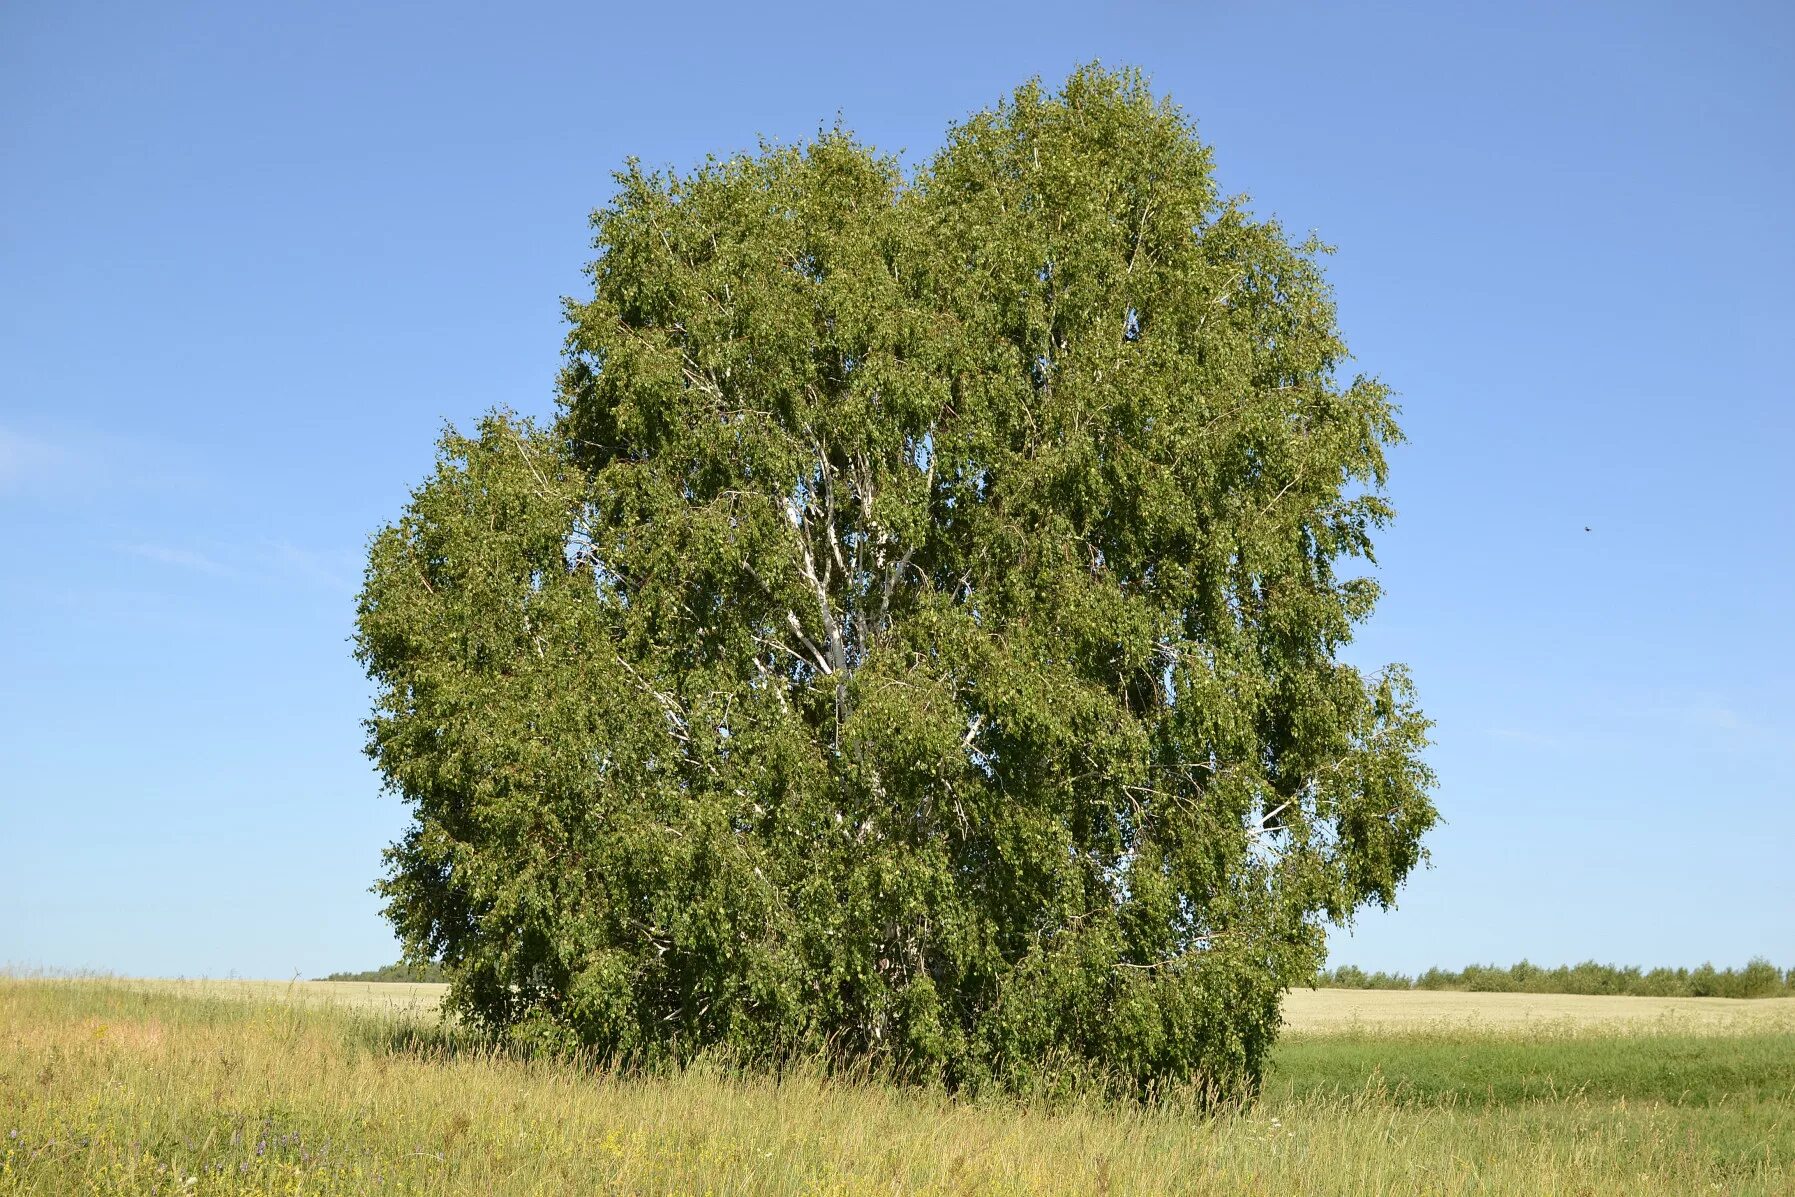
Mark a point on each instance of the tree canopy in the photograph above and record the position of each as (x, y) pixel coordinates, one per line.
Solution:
(918, 634)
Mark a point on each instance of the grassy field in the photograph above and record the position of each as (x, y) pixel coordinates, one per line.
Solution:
(1330, 1011)
(1305, 1010)
(115, 1087)
(384, 996)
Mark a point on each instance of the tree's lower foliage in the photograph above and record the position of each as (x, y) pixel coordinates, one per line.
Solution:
(916, 639)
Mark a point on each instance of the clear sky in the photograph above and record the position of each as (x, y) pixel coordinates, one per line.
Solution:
(253, 256)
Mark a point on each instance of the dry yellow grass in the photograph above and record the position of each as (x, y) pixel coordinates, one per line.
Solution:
(1306, 1011)
(397, 997)
(1329, 1011)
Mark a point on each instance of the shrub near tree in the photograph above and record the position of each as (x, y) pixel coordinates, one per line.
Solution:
(916, 639)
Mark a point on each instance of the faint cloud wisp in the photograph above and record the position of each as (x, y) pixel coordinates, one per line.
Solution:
(25, 460)
(271, 561)
(331, 569)
(183, 558)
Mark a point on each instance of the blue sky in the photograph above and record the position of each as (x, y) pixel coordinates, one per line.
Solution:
(254, 256)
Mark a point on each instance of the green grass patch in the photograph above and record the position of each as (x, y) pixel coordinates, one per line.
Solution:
(1507, 1069)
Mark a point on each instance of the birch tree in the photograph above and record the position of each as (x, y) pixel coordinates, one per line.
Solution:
(917, 637)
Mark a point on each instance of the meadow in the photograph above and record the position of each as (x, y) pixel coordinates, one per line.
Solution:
(240, 1087)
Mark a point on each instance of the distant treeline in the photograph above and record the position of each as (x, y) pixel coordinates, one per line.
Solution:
(394, 972)
(1758, 979)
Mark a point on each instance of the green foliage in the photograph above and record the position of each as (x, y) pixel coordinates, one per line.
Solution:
(428, 972)
(1757, 979)
(916, 640)
(1350, 976)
